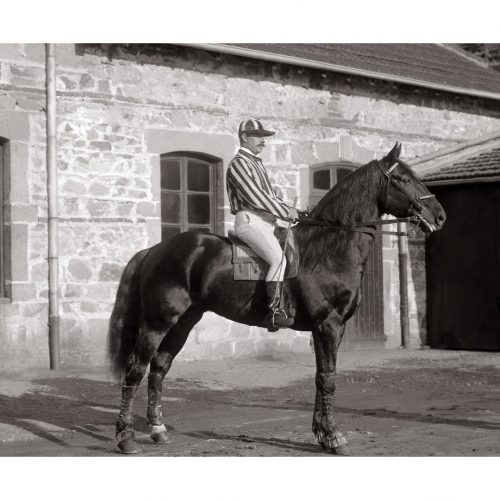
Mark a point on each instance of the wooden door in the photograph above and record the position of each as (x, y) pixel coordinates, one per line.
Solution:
(463, 269)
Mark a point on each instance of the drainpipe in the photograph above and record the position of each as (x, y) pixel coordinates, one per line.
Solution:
(53, 260)
(403, 286)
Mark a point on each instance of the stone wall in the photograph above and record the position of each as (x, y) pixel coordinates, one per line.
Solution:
(115, 117)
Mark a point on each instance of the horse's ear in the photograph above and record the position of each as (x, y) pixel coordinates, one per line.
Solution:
(393, 154)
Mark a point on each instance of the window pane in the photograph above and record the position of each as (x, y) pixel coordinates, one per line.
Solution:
(170, 173)
(198, 176)
(198, 208)
(168, 232)
(200, 229)
(342, 172)
(321, 179)
(170, 207)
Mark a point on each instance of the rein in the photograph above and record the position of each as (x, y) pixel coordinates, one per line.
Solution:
(365, 227)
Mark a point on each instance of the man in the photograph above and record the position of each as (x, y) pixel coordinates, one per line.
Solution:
(257, 208)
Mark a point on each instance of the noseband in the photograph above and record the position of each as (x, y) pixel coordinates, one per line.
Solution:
(391, 180)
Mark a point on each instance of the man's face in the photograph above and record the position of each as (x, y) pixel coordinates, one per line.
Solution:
(253, 143)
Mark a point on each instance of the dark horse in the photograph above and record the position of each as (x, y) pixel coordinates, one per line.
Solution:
(164, 290)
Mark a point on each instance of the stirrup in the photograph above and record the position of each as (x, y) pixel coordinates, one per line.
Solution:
(280, 319)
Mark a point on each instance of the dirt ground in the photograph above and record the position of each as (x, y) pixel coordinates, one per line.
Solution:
(389, 403)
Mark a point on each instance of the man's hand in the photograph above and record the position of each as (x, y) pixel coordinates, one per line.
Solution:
(293, 215)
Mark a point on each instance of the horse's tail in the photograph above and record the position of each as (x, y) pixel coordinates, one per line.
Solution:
(126, 315)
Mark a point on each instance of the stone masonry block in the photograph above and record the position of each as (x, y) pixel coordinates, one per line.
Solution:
(24, 213)
(80, 269)
(146, 209)
(304, 152)
(88, 307)
(33, 309)
(98, 189)
(73, 291)
(26, 76)
(19, 161)
(98, 328)
(35, 52)
(153, 231)
(19, 255)
(9, 310)
(110, 272)
(362, 155)
(101, 145)
(22, 292)
(32, 104)
(281, 153)
(7, 102)
(74, 187)
(39, 271)
(86, 81)
(327, 151)
(346, 148)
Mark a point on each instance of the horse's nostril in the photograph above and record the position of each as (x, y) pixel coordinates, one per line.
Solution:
(441, 218)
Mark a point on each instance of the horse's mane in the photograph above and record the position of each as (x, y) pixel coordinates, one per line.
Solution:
(347, 203)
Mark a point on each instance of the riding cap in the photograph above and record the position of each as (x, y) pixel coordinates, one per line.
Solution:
(253, 128)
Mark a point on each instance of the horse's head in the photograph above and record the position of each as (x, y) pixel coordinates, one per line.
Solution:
(403, 195)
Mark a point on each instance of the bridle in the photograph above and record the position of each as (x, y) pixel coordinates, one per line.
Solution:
(414, 200)
(364, 227)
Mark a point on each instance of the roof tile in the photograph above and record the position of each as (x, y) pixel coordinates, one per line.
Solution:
(483, 165)
(426, 62)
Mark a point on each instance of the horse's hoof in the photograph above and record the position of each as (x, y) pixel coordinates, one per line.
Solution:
(343, 450)
(320, 437)
(127, 445)
(160, 438)
(159, 434)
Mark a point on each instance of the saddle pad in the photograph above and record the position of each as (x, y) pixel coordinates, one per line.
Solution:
(247, 265)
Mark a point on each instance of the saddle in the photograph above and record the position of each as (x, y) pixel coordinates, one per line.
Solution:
(247, 265)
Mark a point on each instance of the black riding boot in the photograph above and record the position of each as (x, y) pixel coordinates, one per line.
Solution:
(276, 317)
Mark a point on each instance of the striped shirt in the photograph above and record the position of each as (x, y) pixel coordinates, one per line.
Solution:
(248, 186)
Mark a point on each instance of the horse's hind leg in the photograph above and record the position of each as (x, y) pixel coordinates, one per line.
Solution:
(158, 319)
(160, 365)
(144, 350)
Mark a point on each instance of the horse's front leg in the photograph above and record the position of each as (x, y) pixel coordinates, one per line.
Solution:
(327, 339)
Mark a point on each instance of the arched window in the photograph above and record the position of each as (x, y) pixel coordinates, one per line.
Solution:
(188, 202)
(324, 177)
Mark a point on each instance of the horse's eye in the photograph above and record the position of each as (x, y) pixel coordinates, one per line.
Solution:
(404, 180)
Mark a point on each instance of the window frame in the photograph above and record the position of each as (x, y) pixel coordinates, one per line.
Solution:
(184, 157)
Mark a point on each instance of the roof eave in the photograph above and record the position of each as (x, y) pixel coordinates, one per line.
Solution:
(297, 61)
(471, 180)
